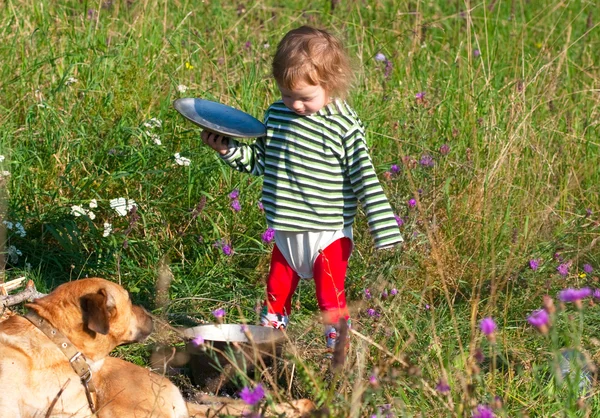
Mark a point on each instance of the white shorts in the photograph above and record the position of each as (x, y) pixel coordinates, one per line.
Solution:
(301, 249)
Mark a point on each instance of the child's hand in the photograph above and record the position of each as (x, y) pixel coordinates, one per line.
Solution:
(217, 142)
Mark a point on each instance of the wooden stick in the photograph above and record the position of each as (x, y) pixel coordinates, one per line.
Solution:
(13, 284)
(212, 406)
(29, 294)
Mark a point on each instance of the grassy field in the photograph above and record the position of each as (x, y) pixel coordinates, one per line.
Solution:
(485, 113)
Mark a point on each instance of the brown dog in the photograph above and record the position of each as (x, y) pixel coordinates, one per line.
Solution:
(128, 390)
(87, 316)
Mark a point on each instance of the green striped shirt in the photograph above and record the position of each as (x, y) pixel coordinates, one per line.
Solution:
(316, 169)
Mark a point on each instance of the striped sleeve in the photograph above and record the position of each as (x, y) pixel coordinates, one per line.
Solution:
(246, 158)
(368, 190)
(249, 159)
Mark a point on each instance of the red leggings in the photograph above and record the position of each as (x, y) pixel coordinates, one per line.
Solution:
(329, 272)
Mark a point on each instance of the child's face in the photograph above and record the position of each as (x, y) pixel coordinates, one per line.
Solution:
(304, 99)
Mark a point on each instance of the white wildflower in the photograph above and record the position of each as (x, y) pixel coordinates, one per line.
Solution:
(156, 139)
(77, 210)
(182, 88)
(380, 57)
(5, 173)
(71, 80)
(121, 205)
(9, 224)
(266, 45)
(107, 229)
(93, 204)
(153, 123)
(91, 215)
(2, 158)
(182, 160)
(13, 254)
(20, 230)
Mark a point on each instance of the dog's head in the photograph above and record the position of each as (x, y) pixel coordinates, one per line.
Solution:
(95, 314)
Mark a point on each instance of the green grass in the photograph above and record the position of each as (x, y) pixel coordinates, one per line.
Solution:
(520, 120)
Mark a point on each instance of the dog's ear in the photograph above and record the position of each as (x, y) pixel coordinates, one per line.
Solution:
(96, 309)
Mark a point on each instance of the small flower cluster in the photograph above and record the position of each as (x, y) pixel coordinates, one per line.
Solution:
(563, 268)
(388, 64)
(219, 314)
(371, 312)
(18, 228)
(392, 172)
(180, 160)
(268, 235)
(150, 125)
(488, 328)
(122, 205)
(78, 211)
(224, 246)
(252, 396)
(235, 202)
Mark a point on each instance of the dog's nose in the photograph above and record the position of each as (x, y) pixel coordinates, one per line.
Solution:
(145, 324)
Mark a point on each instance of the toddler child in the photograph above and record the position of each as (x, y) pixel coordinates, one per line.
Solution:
(316, 168)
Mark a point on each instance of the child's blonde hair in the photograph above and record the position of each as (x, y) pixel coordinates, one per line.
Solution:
(313, 56)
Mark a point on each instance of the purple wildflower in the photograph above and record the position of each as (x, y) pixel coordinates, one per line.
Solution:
(557, 256)
(427, 160)
(574, 295)
(367, 293)
(534, 263)
(420, 95)
(394, 168)
(268, 235)
(248, 45)
(373, 379)
(373, 313)
(260, 205)
(442, 386)
(219, 313)
(388, 68)
(399, 220)
(235, 193)
(563, 269)
(394, 292)
(483, 411)
(588, 268)
(198, 340)
(412, 203)
(588, 212)
(252, 397)
(235, 205)
(224, 246)
(384, 294)
(444, 149)
(380, 57)
(476, 53)
(596, 294)
(538, 318)
(488, 326)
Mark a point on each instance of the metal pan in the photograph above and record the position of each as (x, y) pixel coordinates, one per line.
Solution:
(219, 118)
(235, 333)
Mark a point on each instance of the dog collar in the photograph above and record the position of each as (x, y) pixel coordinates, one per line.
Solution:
(76, 358)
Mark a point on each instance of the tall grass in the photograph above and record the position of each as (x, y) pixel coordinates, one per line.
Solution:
(490, 110)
